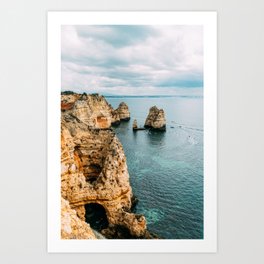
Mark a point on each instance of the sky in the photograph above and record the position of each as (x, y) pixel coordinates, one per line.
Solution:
(132, 59)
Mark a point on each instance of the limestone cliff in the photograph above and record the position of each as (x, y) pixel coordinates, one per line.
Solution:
(92, 110)
(72, 227)
(156, 119)
(93, 167)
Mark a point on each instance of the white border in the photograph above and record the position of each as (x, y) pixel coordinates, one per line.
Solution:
(209, 22)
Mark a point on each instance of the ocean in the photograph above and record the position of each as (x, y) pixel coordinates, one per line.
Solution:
(166, 168)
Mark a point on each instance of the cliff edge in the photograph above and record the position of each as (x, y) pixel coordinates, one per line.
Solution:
(95, 185)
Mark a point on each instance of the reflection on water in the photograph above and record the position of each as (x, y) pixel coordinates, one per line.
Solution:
(156, 138)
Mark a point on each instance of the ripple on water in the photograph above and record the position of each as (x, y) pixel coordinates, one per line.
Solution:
(153, 215)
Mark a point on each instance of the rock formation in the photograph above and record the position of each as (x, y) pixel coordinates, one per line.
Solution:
(135, 126)
(94, 169)
(123, 112)
(156, 119)
(92, 110)
(72, 227)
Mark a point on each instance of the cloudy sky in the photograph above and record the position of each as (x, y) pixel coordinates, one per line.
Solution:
(132, 60)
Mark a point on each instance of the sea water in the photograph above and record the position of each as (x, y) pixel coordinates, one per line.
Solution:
(166, 168)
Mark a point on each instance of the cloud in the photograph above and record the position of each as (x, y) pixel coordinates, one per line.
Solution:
(116, 36)
(132, 59)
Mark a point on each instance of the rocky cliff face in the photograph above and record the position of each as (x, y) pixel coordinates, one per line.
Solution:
(156, 119)
(72, 227)
(94, 169)
(92, 110)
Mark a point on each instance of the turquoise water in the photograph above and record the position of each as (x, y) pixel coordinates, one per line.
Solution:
(166, 169)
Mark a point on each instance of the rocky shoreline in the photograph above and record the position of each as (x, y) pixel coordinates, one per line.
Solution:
(95, 187)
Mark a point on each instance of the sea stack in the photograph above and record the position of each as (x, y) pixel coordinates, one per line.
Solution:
(123, 112)
(156, 119)
(95, 185)
(135, 124)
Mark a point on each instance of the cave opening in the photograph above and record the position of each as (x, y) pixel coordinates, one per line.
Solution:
(95, 215)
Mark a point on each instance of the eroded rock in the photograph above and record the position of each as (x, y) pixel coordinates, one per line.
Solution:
(135, 126)
(123, 112)
(72, 227)
(156, 119)
(93, 164)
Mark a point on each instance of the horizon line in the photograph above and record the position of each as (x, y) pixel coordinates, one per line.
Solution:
(158, 95)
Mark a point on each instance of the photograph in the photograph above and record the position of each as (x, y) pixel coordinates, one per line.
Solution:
(132, 132)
